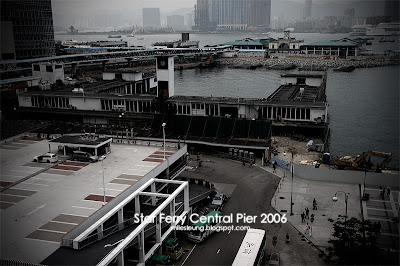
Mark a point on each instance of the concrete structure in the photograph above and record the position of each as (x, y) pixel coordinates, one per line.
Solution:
(48, 72)
(165, 76)
(32, 24)
(46, 205)
(247, 43)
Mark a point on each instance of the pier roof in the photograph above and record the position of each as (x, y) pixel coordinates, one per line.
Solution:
(332, 43)
(295, 93)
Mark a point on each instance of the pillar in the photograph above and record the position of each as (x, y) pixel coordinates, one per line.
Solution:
(141, 246)
(186, 199)
(153, 198)
(137, 205)
(120, 258)
(121, 218)
(100, 231)
(158, 232)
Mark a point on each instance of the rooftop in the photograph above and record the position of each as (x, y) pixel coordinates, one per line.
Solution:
(295, 93)
(54, 199)
(332, 43)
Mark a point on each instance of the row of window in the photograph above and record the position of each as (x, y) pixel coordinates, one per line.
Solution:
(127, 106)
(286, 113)
(50, 102)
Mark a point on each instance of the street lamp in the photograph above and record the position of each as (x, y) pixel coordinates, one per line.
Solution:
(104, 186)
(163, 129)
(291, 191)
(346, 197)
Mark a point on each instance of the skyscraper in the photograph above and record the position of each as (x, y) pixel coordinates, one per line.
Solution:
(206, 14)
(29, 24)
(307, 9)
(259, 13)
(232, 14)
(392, 9)
(151, 17)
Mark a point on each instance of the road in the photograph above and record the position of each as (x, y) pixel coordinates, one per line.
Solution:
(250, 190)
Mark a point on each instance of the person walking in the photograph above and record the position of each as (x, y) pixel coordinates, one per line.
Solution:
(314, 204)
(302, 217)
(307, 228)
(287, 238)
(388, 191)
(274, 166)
(307, 213)
(244, 164)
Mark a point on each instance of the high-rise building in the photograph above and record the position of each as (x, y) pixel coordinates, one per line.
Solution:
(232, 14)
(392, 8)
(151, 17)
(206, 14)
(176, 22)
(307, 9)
(29, 25)
(259, 14)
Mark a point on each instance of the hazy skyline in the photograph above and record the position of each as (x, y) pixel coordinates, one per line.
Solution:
(130, 11)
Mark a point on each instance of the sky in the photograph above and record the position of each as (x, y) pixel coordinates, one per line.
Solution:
(64, 10)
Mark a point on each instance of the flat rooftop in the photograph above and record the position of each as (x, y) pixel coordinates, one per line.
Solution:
(56, 198)
(292, 93)
(88, 139)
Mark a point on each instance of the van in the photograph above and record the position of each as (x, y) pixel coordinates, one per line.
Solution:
(84, 156)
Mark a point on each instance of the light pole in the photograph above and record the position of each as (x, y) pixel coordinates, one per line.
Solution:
(104, 186)
(291, 191)
(163, 129)
(346, 197)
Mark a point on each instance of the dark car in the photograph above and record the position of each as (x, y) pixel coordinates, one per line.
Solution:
(84, 156)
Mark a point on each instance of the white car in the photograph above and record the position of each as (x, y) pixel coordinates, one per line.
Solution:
(219, 199)
(46, 158)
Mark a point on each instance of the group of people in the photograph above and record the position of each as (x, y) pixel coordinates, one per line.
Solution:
(306, 216)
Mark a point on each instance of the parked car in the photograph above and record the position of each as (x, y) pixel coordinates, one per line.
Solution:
(84, 156)
(219, 199)
(46, 158)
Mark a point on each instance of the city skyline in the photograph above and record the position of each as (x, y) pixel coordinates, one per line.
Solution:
(129, 13)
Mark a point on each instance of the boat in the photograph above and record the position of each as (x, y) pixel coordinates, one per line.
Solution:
(132, 34)
(114, 36)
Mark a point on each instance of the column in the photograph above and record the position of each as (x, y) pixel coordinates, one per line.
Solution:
(153, 190)
(158, 233)
(120, 258)
(100, 231)
(141, 246)
(137, 205)
(186, 199)
(121, 219)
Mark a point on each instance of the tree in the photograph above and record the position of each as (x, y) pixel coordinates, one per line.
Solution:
(355, 243)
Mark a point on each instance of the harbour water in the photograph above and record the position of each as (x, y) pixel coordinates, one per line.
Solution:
(363, 104)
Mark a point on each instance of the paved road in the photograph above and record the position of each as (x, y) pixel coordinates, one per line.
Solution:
(250, 191)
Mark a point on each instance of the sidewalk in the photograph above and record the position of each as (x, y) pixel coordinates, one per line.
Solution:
(304, 191)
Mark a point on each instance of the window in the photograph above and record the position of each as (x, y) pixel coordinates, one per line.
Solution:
(58, 66)
(49, 69)
(36, 67)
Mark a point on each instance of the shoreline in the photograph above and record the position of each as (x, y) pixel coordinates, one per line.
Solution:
(307, 62)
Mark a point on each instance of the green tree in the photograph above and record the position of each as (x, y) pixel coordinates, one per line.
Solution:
(354, 242)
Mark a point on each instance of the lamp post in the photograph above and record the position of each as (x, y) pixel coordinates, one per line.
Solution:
(163, 129)
(291, 191)
(346, 197)
(104, 186)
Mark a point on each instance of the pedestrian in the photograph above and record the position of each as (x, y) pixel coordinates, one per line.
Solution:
(388, 191)
(287, 238)
(383, 194)
(250, 164)
(307, 213)
(314, 204)
(310, 231)
(302, 217)
(274, 166)
(307, 228)
(312, 217)
(244, 164)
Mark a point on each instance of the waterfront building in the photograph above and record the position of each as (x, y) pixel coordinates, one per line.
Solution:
(206, 15)
(259, 18)
(344, 48)
(27, 29)
(286, 44)
(247, 43)
(384, 29)
(359, 30)
(151, 17)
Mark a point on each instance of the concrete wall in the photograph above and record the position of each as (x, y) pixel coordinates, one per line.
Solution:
(315, 113)
(24, 101)
(86, 103)
(309, 81)
(346, 176)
